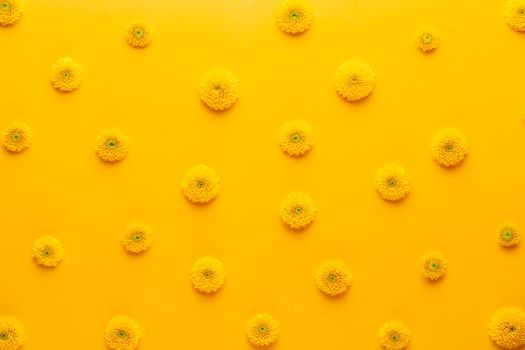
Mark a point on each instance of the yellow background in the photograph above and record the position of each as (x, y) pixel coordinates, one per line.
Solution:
(474, 81)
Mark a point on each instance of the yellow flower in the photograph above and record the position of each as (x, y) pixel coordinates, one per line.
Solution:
(262, 330)
(10, 11)
(12, 335)
(112, 146)
(66, 75)
(297, 210)
(48, 251)
(296, 138)
(427, 39)
(434, 266)
(394, 336)
(449, 147)
(333, 277)
(200, 184)
(207, 275)
(507, 328)
(508, 235)
(391, 182)
(16, 137)
(218, 89)
(515, 15)
(137, 237)
(294, 16)
(138, 34)
(354, 80)
(122, 333)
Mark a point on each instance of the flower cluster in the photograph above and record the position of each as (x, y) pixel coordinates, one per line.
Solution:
(112, 146)
(12, 335)
(297, 210)
(200, 184)
(207, 275)
(394, 335)
(296, 138)
(137, 237)
(66, 75)
(48, 251)
(262, 330)
(16, 137)
(333, 277)
(434, 266)
(391, 182)
(294, 16)
(122, 333)
(507, 328)
(354, 80)
(508, 235)
(10, 11)
(138, 34)
(427, 39)
(449, 147)
(515, 15)
(218, 89)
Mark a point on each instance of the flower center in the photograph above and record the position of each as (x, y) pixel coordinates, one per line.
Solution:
(449, 147)
(201, 184)
(4, 336)
(122, 334)
(298, 210)
(138, 32)
(208, 274)
(137, 237)
(507, 234)
(66, 75)
(5, 6)
(391, 182)
(47, 252)
(16, 136)
(333, 277)
(354, 79)
(511, 328)
(296, 138)
(217, 87)
(111, 144)
(521, 12)
(433, 265)
(294, 14)
(426, 38)
(262, 329)
(394, 337)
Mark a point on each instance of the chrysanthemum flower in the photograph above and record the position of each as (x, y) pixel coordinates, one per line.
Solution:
(296, 138)
(449, 147)
(137, 237)
(48, 251)
(16, 137)
(218, 89)
(515, 15)
(508, 235)
(10, 11)
(297, 210)
(354, 80)
(262, 330)
(427, 39)
(12, 335)
(207, 275)
(66, 75)
(391, 182)
(333, 277)
(122, 333)
(112, 146)
(507, 328)
(138, 34)
(434, 266)
(394, 335)
(294, 16)
(200, 184)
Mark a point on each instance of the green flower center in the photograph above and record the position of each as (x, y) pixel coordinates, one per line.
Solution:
(111, 144)
(16, 136)
(5, 6)
(298, 210)
(47, 252)
(201, 184)
(449, 147)
(391, 182)
(138, 32)
(4, 336)
(208, 274)
(137, 237)
(262, 329)
(507, 234)
(333, 277)
(296, 138)
(426, 38)
(66, 75)
(394, 337)
(433, 265)
(295, 14)
(122, 334)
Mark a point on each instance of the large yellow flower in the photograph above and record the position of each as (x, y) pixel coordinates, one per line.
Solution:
(507, 328)
(354, 80)
(122, 333)
(16, 137)
(294, 16)
(200, 184)
(515, 14)
(296, 138)
(48, 251)
(66, 75)
(508, 235)
(394, 335)
(449, 147)
(333, 277)
(434, 266)
(137, 237)
(112, 146)
(10, 11)
(391, 182)
(427, 39)
(218, 89)
(297, 210)
(262, 330)
(138, 34)
(207, 275)
(12, 335)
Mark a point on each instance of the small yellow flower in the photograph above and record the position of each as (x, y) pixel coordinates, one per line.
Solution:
(200, 184)
(507, 328)
(66, 75)
(515, 15)
(297, 210)
(137, 237)
(449, 147)
(394, 335)
(207, 275)
(509, 235)
(391, 182)
(12, 335)
(354, 80)
(296, 138)
(122, 333)
(294, 16)
(138, 34)
(112, 146)
(427, 39)
(218, 89)
(333, 277)
(16, 137)
(262, 330)
(434, 266)
(10, 11)
(48, 251)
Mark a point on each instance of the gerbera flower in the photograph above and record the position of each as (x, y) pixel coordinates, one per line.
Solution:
(333, 277)
(16, 137)
(434, 266)
(48, 251)
(515, 15)
(137, 237)
(508, 235)
(449, 147)
(507, 328)
(12, 335)
(138, 34)
(354, 80)
(218, 89)
(296, 138)
(262, 330)
(391, 182)
(66, 75)
(294, 16)
(112, 146)
(297, 210)
(122, 333)
(394, 336)
(10, 11)
(427, 39)
(207, 275)
(200, 184)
